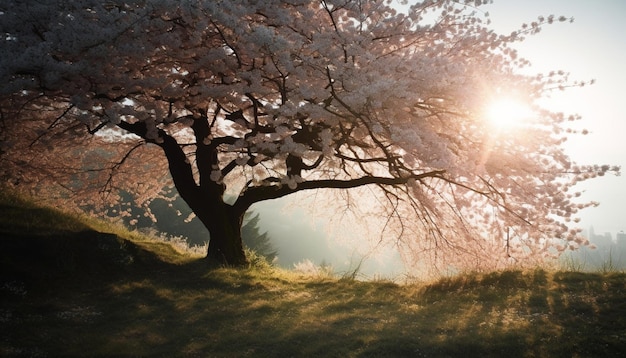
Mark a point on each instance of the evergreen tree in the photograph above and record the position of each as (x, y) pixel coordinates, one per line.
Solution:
(254, 239)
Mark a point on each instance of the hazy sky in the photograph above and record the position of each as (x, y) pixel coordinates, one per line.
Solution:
(592, 47)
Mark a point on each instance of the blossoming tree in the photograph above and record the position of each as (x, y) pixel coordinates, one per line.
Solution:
(264, 99)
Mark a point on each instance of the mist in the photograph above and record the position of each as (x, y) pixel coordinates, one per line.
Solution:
(299, 237)
(607, 252)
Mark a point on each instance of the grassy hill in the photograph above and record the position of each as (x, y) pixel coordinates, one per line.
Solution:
(69, 289)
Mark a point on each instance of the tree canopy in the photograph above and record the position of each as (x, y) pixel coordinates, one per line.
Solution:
(263, 99)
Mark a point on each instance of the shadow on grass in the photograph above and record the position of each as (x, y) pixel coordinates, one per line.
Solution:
(92, 294)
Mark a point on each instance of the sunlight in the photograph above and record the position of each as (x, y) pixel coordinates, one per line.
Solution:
(507, 112)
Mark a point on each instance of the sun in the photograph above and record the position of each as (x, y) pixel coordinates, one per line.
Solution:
(508, 112)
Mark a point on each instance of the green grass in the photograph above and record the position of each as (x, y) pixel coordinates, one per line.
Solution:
(71, 291)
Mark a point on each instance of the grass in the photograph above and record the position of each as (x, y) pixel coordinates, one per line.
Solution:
(72, 291)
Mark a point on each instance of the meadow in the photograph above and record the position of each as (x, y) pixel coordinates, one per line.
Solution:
(71, 286)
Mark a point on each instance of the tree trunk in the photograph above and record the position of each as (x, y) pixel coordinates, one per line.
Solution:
(225, 245)
(224, 225)
(207, 199)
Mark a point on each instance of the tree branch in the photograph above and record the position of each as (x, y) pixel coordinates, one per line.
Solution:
(179, 166)
(256, 194)
(108, 186)
(53, 124)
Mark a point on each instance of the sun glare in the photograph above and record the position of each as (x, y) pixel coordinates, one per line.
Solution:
(508, 112)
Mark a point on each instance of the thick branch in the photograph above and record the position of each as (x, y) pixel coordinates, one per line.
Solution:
(179, 166)
(253, 195)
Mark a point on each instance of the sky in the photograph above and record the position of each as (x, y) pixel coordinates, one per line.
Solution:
(592, 47)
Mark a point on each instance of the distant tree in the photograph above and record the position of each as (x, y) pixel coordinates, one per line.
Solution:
(264, 99)
(254, 239)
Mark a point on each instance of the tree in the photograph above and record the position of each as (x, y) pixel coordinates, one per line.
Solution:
(255, 240)
(270, 98)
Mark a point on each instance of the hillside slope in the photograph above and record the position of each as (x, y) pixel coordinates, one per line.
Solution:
(69, 290)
